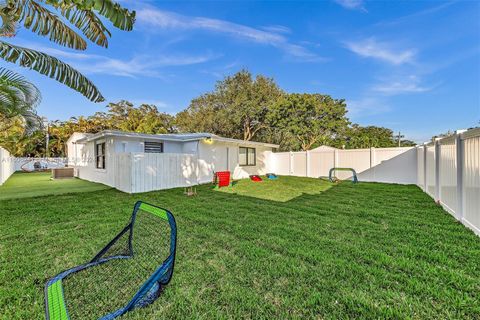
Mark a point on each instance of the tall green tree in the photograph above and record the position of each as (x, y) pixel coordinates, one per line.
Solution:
(236, 108)
(310, 119)
(205, 114)
(248, 101)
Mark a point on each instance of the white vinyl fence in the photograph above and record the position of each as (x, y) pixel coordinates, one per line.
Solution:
(449, 171)
(6, 165)
(142, 172)
(390, 165)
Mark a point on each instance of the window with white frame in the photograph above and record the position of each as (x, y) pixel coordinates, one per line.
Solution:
(153, 147)
(100, 155)
(247, 156)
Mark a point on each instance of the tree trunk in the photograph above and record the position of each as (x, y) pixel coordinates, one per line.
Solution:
(247, 135)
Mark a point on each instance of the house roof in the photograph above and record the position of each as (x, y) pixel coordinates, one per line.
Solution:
(180, 137)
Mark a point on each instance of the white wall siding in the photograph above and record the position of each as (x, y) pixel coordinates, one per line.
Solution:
(7, 165)
(220, 156)
(86, 164)
(75, 150)
(390, 165)
(136, 145)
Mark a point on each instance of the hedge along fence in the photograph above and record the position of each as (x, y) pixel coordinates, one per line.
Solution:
(448, 170)
(7, 165)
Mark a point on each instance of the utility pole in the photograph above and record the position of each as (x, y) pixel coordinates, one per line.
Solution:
(47, 137)
(399, 138)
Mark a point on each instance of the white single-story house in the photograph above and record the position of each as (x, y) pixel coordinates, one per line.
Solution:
(137, 162)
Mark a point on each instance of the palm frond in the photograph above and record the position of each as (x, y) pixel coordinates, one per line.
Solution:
(90, 25)
(45, 23)
(11, 101)
(9, 26)
(19, 98)
(29, 92)
(32, 122)
(51, 67)
(121, 18)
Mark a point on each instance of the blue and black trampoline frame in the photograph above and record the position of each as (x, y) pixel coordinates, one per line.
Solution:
(55, 306)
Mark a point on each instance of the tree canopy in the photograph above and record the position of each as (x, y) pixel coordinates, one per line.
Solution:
(309, 118)
(237, 108)
(356, 136)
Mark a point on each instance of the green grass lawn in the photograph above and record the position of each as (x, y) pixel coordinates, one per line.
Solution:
(284, 189)
(23, 185)
(287, 251)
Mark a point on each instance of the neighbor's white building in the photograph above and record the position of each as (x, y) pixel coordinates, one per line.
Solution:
(135, 162)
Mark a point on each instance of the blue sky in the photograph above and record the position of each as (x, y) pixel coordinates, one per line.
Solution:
(412, 66)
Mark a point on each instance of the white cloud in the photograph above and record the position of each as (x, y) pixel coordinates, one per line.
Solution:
(352, 4)
(371, 48)
(157, 18)
(139, 65)
(415, 15)
(277, 29)
(169, 20)
(375, 100)
(410, 84)
(367, 106)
